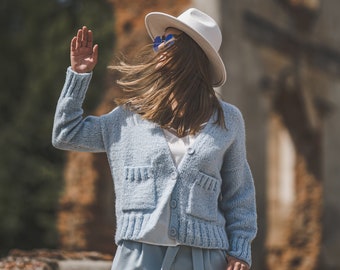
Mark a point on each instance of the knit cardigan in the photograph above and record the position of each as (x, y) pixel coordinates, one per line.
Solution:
(211, 192)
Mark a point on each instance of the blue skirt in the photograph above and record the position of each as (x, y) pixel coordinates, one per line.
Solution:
(131, 255)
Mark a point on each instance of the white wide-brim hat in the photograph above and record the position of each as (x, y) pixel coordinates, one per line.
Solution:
(201, 28)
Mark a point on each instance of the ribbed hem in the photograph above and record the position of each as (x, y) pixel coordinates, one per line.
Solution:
(76, 84)
(240, 248)
(204, 235)
(131, 226)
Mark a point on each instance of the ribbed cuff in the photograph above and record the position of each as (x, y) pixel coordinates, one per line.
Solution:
(76, 84)
(240, 248)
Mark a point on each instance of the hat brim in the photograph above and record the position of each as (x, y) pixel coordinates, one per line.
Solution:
(157, 22)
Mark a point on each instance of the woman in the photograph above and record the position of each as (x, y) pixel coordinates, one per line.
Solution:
(185, 196)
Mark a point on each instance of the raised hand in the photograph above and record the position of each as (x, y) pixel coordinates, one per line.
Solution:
(83, 54)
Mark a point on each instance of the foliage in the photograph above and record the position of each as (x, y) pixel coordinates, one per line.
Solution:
(34, 52)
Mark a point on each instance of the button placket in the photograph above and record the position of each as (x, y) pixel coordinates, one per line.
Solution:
(174, 175)
(173, 232)
(173, 224)
(173, 203)
(191, 151)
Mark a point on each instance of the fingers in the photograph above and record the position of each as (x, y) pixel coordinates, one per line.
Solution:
(89, 39)
(79, 36)
(84, 38)
(236, 264)
(95, 54)
(237, 267)
(73, 44)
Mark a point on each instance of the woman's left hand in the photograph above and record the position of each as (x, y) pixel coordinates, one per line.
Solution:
(236, 264)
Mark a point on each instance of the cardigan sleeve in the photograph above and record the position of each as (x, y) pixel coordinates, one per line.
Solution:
(238, 194)
(72, 131)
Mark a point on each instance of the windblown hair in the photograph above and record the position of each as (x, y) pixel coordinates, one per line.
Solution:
(172, 87)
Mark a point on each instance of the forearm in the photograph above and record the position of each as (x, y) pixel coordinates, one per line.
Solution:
(238, 195)
(70, 130)
(239, 206)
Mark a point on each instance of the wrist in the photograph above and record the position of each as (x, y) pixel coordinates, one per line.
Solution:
(78, 71)
(82, 74)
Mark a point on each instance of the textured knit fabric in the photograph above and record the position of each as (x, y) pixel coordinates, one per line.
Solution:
(211, 193)
(178, 147)
(132, 255)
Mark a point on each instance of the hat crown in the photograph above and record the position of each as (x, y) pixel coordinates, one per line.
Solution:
(201, 28)
(204, 25)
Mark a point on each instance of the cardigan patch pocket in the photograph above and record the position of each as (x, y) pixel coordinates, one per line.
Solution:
(203, 197)
(139, 189)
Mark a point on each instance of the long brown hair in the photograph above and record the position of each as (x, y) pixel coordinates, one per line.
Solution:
(172, 87)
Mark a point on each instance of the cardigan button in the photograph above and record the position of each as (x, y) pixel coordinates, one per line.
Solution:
(174, 175)
(173, 232)
(173, 203)
(191, 151)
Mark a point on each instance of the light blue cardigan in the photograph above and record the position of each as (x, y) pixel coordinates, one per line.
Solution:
(211, 193)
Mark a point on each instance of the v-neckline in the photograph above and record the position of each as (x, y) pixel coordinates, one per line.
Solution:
(162, 140)
(194, 145)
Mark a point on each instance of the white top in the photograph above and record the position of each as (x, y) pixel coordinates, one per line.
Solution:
(178, 147)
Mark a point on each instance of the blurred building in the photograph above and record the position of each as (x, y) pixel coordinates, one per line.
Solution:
(283, 64)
